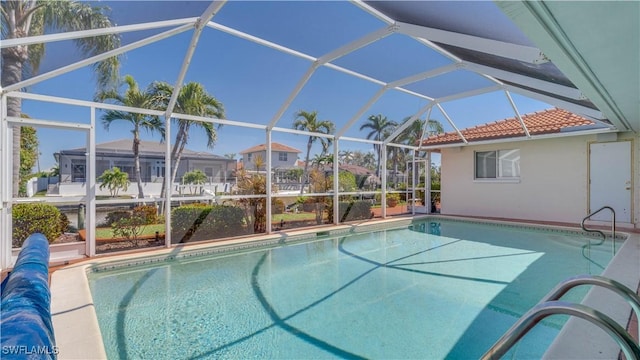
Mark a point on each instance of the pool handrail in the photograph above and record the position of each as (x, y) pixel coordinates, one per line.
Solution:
(613, 226)
(542, 310)
(549, 305)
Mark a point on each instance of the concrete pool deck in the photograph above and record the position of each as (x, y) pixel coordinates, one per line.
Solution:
(78, 334)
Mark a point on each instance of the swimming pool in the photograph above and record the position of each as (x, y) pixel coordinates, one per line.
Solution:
(435, 289)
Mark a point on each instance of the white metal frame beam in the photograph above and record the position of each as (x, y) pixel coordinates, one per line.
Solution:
(527, 54)
(594, 114)
(469, 93)
(515, 110)
(407, 123)
(424, 130)
(200, 24)
(97, 58)
(453, 125)
(360, 112)
(71, 35)
(335, 54)
(549, 87)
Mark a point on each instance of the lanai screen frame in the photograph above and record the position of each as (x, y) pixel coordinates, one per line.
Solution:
(198, 24)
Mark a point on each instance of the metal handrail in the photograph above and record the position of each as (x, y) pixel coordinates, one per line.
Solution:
(550, 305)
(629, 295)
(613, 226)
(541, 311)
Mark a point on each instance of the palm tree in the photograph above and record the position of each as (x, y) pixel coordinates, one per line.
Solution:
(114, 180)
(378, 124)
(22, 18)
(308, 121)
(133, 97)
(413, 133)
(346, 156)
(193, 99)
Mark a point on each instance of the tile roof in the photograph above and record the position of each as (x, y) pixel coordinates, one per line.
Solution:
(543, 122)
(274, 147)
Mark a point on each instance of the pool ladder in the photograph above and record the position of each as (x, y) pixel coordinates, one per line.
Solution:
(549, 305)
(613, 226)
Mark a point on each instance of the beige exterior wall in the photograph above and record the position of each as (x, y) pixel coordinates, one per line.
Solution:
(553, 183)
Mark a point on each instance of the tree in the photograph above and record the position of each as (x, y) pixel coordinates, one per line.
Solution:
(319, 160)
(195, 177)
(114, 179)
(252, 184)
(28, 156)
(231, 156)
(132, 97)
(192, 99)
(308, 121)
(24, 18)
(346, 156)
(377, 124)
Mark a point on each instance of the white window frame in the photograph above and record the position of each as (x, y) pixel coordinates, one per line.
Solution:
(281, 157)
(498, 167)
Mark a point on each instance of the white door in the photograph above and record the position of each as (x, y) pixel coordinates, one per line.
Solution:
(610, 180)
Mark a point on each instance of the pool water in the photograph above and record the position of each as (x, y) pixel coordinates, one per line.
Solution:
(434, 290)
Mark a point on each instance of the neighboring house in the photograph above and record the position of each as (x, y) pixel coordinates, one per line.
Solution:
(282, 156)
(283, 159)
(569, 167)
(72, 162)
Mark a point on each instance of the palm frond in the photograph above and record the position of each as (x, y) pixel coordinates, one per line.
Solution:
(68, 15)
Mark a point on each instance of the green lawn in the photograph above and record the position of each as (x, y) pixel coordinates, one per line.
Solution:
(293, 217)
(106, 233)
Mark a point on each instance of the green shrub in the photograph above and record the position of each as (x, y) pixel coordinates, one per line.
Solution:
(32, 218)
(147, 212)
(197, 222)
(130, 227)
(221, 221)
(309, 204)
(435, 196)
(352, 211)
(277, 206)
(115, 216)
(184, 221)
(64, 222)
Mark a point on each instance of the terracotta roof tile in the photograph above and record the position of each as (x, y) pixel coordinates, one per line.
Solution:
(544, 122)
(274, 147)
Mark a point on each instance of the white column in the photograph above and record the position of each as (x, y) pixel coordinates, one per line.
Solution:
(5, 188)
(90, 224)
(336, 184)
(268, 174)
(167, 180)
(383, 174)
(413, 183)
(427, 183)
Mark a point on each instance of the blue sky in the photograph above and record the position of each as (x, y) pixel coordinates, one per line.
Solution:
(253, 81)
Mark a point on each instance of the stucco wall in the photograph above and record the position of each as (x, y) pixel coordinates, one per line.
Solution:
(552, 186)
(275, 160)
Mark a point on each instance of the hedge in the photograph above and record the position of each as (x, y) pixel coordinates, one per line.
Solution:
(42, 218)
(195, 223)
(351, 211)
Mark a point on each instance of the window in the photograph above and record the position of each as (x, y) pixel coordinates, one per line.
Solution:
(249, 156)
(282, 156)
(500, 164)
(78, 170)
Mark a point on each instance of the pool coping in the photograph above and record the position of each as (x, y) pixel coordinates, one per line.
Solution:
(76, 326)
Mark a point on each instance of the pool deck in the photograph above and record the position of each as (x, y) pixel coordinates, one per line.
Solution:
(78, 334)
